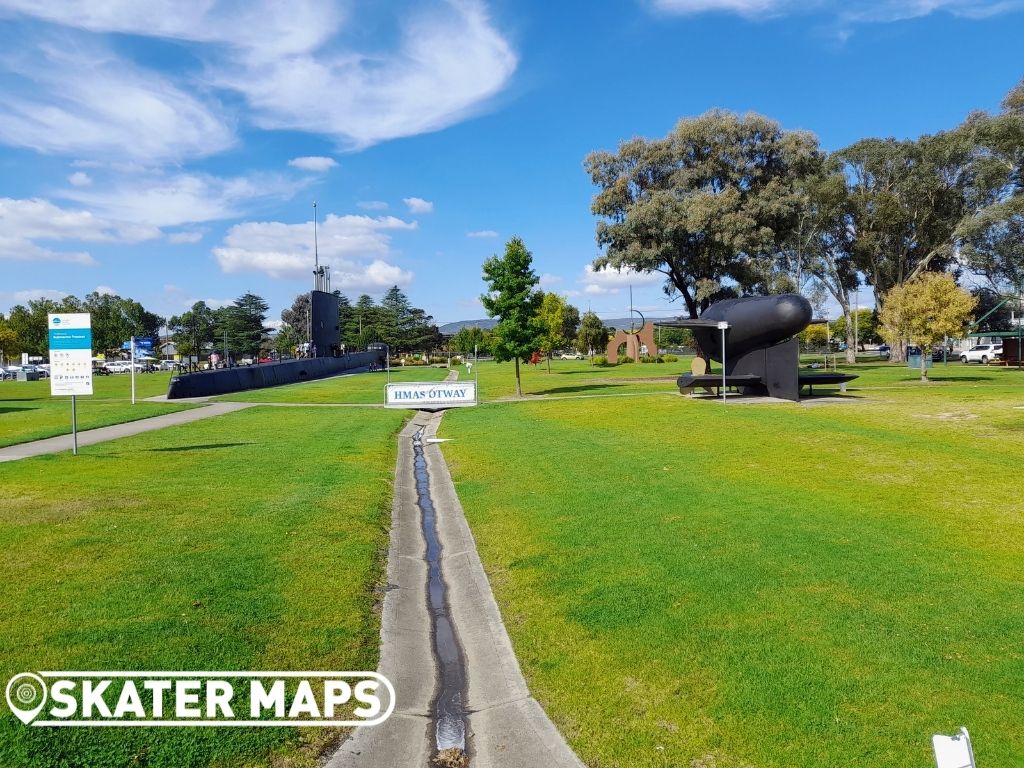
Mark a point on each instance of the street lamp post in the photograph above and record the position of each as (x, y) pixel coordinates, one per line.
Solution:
(723, 327)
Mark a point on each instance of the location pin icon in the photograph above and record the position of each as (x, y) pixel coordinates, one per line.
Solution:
(26, 695)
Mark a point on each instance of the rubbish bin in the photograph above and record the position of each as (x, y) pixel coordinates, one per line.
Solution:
(28, 376)
(914, 361)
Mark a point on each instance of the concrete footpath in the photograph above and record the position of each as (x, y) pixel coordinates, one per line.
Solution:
(113, 432)
(506, 726)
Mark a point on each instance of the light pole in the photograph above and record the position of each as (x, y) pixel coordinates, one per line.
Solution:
(723, 327)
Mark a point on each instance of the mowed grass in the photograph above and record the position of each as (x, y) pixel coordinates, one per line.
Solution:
(574, 378)
(826, 584)
(251, 541)
(28, 412)
(356, 388)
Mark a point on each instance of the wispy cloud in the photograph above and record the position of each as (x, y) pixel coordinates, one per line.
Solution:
(357, 248)
(372, 205)
(185, 237)
(604, 282)
(448, 61)
(315, 164)
(850, 12)
(482, 233)
(159, 200)
(302, 65)
(28, 227)
(79, 179)
(75, 97)
(418, 205)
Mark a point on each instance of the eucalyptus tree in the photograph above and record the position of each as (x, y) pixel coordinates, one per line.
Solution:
(713, 201)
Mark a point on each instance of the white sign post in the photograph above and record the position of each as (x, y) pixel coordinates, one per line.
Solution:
(441, 394)
(133, 369)
(70, 337)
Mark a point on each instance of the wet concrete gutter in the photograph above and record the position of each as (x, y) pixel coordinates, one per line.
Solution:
(504, 726)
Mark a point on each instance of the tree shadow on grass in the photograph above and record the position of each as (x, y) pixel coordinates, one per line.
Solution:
(203, 447)
(12, 409)
(580, 388)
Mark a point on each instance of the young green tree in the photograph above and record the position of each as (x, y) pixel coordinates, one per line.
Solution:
(469, 338)
(296, 323)
(9, 345)
(592, 335)
(193, 330)
(513, 298)
(863, 328)
(925, 311)
(559, 320)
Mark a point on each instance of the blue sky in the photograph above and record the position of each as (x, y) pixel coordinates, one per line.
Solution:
(173, 159)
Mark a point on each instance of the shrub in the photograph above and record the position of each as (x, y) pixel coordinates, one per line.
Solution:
(600, 360)
(670, 358)
(626, 359)
(650, 359)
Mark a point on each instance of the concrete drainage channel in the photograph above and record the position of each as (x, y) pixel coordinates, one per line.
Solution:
(447, 711)
(461, 699)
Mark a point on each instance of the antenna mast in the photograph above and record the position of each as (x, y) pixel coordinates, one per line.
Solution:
(321, 275)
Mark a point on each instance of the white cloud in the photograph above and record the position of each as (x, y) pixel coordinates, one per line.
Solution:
(80, 179)
(482, 233)
(184, 198)
(355, 247)
(448, 60)
(851, 11)
(372, 205)
(301, 65)
(610, 281)
(547, 280)
(26, 224)
(68, 97)
(185, 237)
(213, 303)
(105, 290)
(744, 7)
(271, 28)
(418, 205)
(374, 277)
(22, 297)
(315, 164)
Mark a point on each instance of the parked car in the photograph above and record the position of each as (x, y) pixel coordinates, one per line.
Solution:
(982, 353)
(168, 365)
(571, 356)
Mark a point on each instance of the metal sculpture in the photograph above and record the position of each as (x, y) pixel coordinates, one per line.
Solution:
(761, 356)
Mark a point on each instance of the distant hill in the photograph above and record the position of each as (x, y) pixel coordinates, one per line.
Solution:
(450, 329)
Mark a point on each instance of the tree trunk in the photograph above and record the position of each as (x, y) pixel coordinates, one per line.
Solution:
(924, 363)
(519, 388)
(851, 341)
(549, 362)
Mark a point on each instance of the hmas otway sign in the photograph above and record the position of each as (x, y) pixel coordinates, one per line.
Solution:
(446, 394)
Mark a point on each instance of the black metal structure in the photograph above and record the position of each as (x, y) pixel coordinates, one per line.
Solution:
(225, 380)
(325, 329)
(761, 356)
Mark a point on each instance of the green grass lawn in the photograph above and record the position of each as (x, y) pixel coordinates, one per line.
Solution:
(357, 388)
(692, 584)
(28, 412)
(251, 541)
(571, 378)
